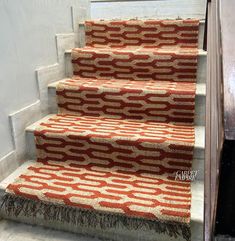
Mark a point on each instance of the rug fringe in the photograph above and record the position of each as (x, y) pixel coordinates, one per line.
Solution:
(14, 206)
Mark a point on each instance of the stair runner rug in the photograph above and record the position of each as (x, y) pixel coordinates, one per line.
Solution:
(125, 127)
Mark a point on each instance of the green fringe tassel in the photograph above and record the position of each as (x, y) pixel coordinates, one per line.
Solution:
(14, 206)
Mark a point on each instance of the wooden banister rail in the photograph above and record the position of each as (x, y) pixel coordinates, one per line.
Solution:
(214, 116)
(228, 47)
(220, 119)
(225, 219)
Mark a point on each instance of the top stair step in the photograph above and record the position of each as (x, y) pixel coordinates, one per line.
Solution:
(200, 32)
(144, 33)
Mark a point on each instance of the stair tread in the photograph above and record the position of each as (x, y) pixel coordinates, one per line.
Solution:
(200, 87)
(96, 97)
(162, 101)
(201, 21)
(111, 187)
(148, 85)
(132, 49)
(112, 128)
(199, 130)
(201, 52)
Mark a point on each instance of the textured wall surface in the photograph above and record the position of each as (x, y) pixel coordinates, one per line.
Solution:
(149, 9)
(28, 29)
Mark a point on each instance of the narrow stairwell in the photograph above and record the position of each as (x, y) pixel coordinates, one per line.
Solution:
(130, 119)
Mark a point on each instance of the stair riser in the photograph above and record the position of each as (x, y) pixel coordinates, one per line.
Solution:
(170, 9)
(201, 70)
(199, 105)
(201, 34)
(200, 108)
(198, 165)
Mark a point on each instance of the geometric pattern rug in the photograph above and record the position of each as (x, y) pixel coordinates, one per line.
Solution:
(125, 127)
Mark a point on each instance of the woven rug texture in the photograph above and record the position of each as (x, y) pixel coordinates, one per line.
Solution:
(125, 127)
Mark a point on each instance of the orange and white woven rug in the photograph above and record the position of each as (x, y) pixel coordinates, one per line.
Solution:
(125, 127)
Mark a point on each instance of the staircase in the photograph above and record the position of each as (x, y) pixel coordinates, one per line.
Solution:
(125, 122)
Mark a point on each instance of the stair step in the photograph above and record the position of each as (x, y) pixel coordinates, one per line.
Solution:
(199, 99)
(144, 33)
(161, 101)
(200, 38)
(174, 64)
(119, 233)
(110, 141)
(198, 148)
(201, 66)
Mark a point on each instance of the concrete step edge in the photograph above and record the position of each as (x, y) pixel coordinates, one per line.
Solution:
(200, 88)
(201, 52)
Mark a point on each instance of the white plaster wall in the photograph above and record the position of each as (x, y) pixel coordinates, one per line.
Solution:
(149, 9)
(27, 41)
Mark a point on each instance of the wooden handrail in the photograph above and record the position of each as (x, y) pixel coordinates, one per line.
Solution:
(226, 201)
(214, 117)
(228, 47)
(228, 35)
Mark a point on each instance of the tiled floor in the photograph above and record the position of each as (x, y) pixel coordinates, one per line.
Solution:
(13, 231)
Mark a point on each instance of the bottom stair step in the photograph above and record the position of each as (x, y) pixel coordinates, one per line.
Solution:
(15, 231)
(111, 205)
